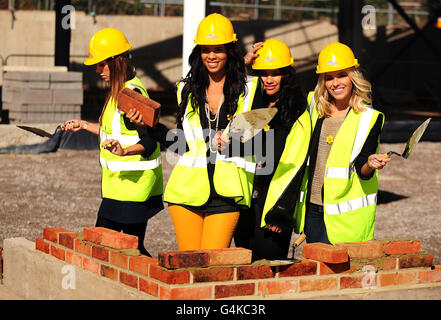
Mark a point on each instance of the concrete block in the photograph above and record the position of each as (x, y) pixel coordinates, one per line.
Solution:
(66, 96)
(27, 75)
(35, 96)
(66, 85)
(71, 76)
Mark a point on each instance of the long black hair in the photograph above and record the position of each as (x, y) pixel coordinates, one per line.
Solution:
(291, 101)
(196, 82)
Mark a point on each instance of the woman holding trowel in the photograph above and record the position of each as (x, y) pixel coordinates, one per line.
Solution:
(206, 189)
(340, 185)
(132, 182)
(267, 226)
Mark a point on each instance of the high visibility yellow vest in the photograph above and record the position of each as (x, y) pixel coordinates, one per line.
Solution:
(293, 157)
(233, 176)
(127, 178)
(349, 202)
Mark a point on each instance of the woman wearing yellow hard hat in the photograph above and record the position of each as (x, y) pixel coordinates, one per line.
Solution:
(206, 189)
(339, 189)
(266, 227)
(132, 183)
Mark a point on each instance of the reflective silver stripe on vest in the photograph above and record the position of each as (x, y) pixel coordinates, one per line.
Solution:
(335, 172)
(123, 140)
(362, 132)
(133, 85)
(301, 196)
(351, 205)
(131, 165)
(240, 162)
(192, 162)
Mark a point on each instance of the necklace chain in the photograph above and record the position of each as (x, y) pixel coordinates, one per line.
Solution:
(215, 119)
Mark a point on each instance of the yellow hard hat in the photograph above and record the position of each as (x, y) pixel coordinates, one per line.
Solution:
(274, 54)
(438, 23)
(336, 56)
(215, 29)
(106, 43)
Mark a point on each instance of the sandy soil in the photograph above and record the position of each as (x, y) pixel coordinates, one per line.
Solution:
(62, 189)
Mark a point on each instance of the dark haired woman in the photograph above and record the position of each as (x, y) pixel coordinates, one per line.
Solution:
(207, 189)
(132, 182)
(267, 226)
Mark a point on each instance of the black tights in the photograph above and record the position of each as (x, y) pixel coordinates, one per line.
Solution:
(136, 229)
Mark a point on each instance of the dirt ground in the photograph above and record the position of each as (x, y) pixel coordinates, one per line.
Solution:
(62, 189)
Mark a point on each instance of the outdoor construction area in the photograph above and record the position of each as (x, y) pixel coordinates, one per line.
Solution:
(70, 150)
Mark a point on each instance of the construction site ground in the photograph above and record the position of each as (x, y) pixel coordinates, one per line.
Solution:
(62, 189)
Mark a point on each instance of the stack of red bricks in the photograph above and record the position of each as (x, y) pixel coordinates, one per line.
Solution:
(223, 273)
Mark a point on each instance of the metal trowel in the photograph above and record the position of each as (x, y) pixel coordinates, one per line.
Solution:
(413, 140)
(250, 123)
(37, 131)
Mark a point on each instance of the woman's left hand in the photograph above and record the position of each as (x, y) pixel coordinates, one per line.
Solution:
(274, 228)
(220, 141)
(135, 116)
(251, 55)
(377, 161)
(114, 147)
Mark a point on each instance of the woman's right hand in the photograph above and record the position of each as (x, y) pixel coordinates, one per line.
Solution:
(251, 55)
(73, 125)
(135, 116)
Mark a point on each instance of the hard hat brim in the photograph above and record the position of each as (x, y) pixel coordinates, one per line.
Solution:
(94, 60)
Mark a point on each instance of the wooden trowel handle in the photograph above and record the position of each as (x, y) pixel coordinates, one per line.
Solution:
(299, 240)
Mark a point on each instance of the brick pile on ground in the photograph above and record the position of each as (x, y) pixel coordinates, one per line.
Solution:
(225, 273)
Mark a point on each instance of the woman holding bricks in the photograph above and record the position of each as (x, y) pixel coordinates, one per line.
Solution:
(266, 227)
(132, 182)
(339, 189)
(207, 189)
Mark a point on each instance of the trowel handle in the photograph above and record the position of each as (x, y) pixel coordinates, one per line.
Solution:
(76, 125)
(299, 240)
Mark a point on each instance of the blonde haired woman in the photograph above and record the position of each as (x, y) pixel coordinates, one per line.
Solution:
(339, 189)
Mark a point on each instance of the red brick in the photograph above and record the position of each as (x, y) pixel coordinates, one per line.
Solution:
(303, 268)
(74, 259)
(149, 287)
(109, 272)
(100, 253)
(390, 263)
(128, 279)
(350, 282)
(140, 264)
(397, 278)
(401, 246)
(119, 259)
(317, 284)
(325, 252)
(169, 276)
(254, 272)
(58, 253)
(51, 234)
(366, 249)
(265, 288)
(184, 259)
(83, 247)
(42, 245)
(66, 239)
(430, 275)
(331, 268)
(229, 256)
(188, 293)
(213, 274)
(234, 290)
(415, 260)
(91, 265)
(110, 238)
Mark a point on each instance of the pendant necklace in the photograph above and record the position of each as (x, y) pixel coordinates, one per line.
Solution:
(215, 119)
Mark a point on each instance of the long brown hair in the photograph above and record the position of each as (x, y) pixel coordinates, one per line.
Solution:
(120, 70)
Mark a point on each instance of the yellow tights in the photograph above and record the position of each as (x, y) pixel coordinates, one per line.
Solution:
(196, 231)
